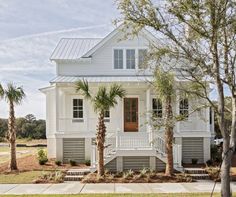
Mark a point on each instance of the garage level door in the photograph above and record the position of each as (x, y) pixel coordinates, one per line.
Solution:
(74, 149)
(136, 163)
(192, 147)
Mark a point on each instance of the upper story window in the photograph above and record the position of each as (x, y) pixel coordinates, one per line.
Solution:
(118, 58)
(141, 58)
(130, 58)
(183, 107)
(157, 107)
(77, 108)
(107, 116)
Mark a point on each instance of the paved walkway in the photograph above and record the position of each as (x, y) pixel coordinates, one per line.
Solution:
(76, 188)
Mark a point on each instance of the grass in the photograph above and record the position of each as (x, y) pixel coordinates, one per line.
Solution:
(22, 177)
(4, 158)
(126, 195)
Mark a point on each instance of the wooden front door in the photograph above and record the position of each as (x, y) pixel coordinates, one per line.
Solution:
(130, 114)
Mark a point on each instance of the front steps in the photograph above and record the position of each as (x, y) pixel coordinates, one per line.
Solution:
(76, 174)
(197, 173)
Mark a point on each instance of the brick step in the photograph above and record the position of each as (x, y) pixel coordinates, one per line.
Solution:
(194, 171)
(199, 176)
(73, 177)
(78, 172)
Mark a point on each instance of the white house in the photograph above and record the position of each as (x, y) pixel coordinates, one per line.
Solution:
(131, 141)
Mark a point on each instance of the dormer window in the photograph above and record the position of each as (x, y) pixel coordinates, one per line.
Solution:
(118, 58)
(130, 58)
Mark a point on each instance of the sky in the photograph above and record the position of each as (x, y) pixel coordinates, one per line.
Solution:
(30, 31)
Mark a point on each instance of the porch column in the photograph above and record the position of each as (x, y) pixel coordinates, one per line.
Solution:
(148, 115)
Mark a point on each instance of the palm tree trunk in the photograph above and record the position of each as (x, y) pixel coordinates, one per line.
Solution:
(101, 133)
(12, 137)
(169, 137)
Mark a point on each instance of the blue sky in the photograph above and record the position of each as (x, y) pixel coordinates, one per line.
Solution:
(30, 31)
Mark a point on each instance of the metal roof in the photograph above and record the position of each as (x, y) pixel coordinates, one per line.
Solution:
(73, 48)
(97, 79)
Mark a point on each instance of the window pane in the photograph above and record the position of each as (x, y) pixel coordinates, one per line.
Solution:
(141, 58)
(118, 59)
(183, 107)
(77, 108)
(107, 114)
(157, 107)
(130, 59)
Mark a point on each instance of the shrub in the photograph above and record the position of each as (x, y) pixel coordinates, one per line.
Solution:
(50, 177)
(209, 162)
(143, 172)
(216, 153)
(194, 161)
(42, 156)
(214, 173)
(58, 162)
(73, 163)
(128, 174)
(87, 162)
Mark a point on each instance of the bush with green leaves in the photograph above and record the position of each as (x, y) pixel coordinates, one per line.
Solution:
(73, 163)
(87, 162)
(42, 156)
(58, 162)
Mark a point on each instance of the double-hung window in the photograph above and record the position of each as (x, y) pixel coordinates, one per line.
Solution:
(183, 107)
(118, 58)
(107, 115)
(78, 108)
(157, 107)
(141, 58)
(130, 58)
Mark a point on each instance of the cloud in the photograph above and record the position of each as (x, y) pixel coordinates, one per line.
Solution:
(25, 61)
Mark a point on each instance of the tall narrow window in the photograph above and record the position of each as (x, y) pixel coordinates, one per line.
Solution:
(118, 59)
(130, 58)
(157, 107)
(141, 58)
(77, 108)
(183, 107)
(107, 116)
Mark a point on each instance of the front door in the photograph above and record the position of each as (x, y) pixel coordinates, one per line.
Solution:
(130, 114)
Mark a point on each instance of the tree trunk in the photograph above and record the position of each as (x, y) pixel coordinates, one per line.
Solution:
(101, 133)
(169, 137)
(12, 137)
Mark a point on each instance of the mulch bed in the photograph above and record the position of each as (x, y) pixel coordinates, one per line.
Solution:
(29, 163)
(149, 178)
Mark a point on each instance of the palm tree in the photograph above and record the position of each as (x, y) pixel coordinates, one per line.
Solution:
(14, 96)
(164, 86)
(1, 91)
(103, 100)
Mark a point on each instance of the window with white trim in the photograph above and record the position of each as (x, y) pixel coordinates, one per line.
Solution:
(107, 115)
(130, 58)
(141, 58)
(157, 107)
(118, 58)
(78, 108)
(183, 107)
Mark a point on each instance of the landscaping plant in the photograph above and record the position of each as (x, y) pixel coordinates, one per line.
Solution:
(13, 96)
(103, 100)
(42, 156)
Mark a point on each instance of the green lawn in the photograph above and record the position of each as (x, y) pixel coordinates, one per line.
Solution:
(123, 195)
(22, 177)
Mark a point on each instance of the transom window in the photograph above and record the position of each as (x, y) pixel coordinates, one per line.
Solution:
(130, 58)
(157, 107)
(141, 58)
(77, 108)
(118, 58)
(183, 107)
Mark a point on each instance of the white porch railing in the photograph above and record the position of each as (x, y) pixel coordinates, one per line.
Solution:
(132, 141)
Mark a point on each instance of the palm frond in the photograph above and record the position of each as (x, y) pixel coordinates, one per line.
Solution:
(1, 91)
(83, 87)
(115, 91)
(14, 94)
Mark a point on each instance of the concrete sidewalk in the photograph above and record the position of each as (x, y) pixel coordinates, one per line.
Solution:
(76, 188)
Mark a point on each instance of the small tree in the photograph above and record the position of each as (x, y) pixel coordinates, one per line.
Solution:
(164, 86)
(14, 96)
(103, 100)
